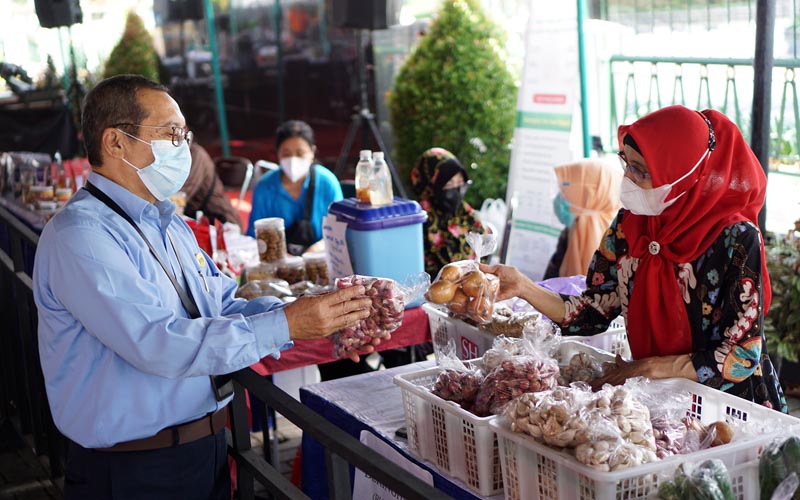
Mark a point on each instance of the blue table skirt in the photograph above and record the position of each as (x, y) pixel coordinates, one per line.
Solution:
(315, 482)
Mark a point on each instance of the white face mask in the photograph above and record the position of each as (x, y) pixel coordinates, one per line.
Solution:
(295, 167)
(641, 201)
(169, 170)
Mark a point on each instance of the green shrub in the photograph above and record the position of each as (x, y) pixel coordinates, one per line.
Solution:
(134, 53)
(782, 323)
(456, 91)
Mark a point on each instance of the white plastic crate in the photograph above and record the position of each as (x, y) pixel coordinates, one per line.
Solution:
(471, 342)
(457, 442)
(613, 340)
(534, 471)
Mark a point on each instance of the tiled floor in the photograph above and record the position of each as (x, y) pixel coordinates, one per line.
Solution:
(22, 476)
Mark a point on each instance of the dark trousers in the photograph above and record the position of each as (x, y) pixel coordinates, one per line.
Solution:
(196, 470)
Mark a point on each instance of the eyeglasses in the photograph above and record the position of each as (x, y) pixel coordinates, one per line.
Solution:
(179, 134)
(638, 174)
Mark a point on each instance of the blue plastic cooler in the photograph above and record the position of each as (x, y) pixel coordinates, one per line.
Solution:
(383, 241)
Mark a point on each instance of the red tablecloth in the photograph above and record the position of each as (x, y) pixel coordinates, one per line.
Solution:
(414, 330)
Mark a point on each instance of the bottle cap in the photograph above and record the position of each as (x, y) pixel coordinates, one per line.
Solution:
(377, 155)
(365, 153)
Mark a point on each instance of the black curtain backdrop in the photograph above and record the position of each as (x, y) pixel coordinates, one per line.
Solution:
(43, 130)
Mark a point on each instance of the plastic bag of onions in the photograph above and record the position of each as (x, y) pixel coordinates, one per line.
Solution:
(386, 311)
(458, 382)
(515, 367)
(463, 287)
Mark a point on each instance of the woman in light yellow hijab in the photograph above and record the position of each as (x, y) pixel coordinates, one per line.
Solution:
(589, 190)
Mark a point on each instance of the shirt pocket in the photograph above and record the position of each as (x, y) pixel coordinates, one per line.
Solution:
(209, 288)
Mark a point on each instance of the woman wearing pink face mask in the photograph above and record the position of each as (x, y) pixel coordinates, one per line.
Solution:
(285, 193)
(687, 236)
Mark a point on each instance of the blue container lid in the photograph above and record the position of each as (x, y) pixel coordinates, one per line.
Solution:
(365, 217)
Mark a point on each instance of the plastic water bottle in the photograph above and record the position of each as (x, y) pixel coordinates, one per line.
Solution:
(380, 184)
(363, 174)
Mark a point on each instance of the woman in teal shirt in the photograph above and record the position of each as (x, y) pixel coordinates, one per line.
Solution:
(282, 193)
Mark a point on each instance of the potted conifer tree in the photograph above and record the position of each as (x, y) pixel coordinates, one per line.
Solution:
(457, 91)
(134, 53)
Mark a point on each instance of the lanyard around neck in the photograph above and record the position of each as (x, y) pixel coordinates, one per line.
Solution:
(185, 295)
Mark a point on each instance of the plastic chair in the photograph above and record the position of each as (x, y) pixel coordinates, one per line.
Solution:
(235, 172)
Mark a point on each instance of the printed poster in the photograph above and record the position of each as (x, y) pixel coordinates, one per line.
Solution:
(546, 107)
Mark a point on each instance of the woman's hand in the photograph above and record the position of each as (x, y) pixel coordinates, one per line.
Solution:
(512, 282)
(515, 284)
(623, 370)
(653, 368)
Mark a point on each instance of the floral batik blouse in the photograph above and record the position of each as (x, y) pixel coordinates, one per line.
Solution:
(728, 346)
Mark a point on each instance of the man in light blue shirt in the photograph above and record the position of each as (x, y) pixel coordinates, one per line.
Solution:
(126, 364)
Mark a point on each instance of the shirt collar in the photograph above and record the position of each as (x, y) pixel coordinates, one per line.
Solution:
(132, 204)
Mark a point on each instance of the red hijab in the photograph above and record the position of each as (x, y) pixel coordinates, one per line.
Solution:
(727, 187)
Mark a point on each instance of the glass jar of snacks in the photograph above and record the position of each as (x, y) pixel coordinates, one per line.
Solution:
(292, 269)
(261, 271)
(63, 195)
(39, 193)
(271, 239)
(317, 268)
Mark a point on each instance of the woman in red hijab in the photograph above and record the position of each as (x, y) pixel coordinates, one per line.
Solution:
(687, 236)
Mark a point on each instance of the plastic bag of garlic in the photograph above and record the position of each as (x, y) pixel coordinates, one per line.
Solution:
(608, 430)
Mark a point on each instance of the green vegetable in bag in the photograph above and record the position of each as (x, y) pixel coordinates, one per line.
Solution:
(791, 455)
(708, 481)
(669, 491)
(771, 469)
(777, 461)
(711, 481)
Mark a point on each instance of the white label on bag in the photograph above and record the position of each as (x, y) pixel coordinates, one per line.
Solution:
(367, 488)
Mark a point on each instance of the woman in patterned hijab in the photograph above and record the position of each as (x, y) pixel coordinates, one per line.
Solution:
(440, 183)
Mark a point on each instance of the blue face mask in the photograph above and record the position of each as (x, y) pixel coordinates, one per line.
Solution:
(170, 169)
(562, 210)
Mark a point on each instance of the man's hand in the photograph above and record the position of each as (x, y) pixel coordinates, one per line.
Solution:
(317, 316)
(354, 355)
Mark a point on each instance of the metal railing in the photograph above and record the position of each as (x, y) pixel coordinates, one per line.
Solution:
(640, 84)
(23, 399)
(341, 449)
(678, 15)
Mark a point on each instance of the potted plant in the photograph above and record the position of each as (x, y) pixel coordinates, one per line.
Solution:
(457, 91)
(782, 323)
(134, 53)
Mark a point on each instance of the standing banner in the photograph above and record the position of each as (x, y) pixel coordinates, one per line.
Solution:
(546, 105)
